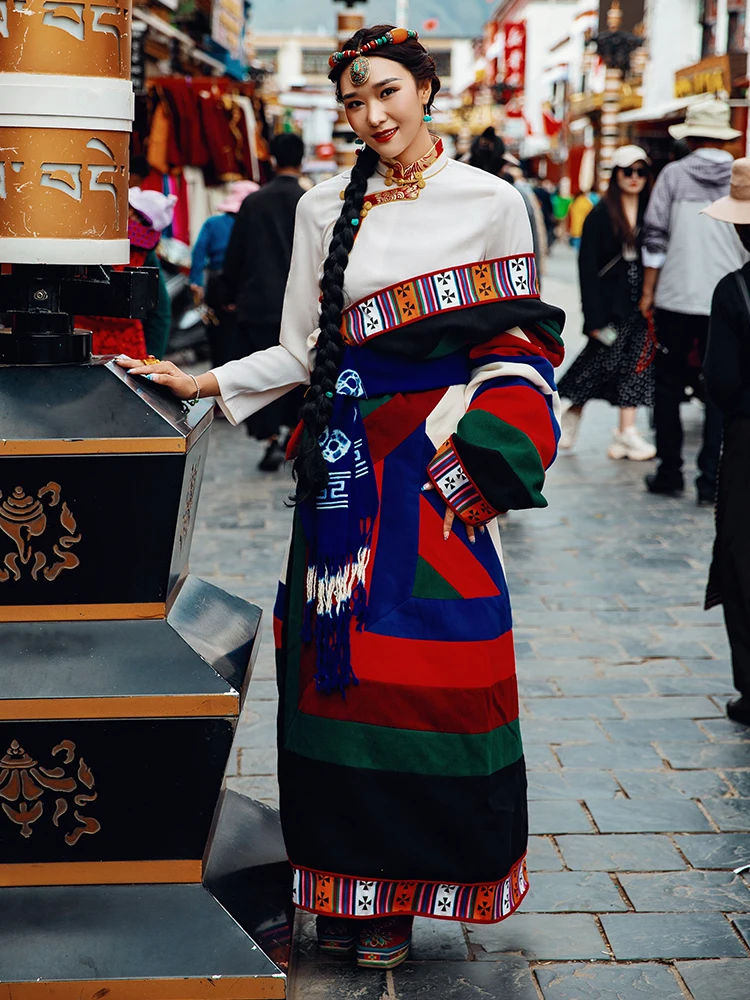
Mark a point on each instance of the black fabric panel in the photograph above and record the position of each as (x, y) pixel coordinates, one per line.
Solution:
(493, 476)
(408, 827)
(472, 325)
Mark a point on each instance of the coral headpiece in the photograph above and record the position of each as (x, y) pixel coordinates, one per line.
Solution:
(360, 67)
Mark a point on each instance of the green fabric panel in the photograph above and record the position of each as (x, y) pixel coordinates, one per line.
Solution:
(429, 584)
(485, 430)
(380, 748)
(553, 329)
(368, 406)
(449, 344)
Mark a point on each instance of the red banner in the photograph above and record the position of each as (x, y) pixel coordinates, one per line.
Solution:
(515, 55)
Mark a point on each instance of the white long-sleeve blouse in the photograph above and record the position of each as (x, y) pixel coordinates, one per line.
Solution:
(462, 215)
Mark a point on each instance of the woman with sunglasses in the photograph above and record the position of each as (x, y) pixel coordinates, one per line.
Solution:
(615, 365)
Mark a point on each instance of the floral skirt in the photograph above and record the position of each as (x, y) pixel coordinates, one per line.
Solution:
(620, 374)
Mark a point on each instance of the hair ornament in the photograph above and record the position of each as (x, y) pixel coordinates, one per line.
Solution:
(359, 70)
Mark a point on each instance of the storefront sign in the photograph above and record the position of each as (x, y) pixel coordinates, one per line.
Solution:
(228, 26)
(711, 75)
(515, 55)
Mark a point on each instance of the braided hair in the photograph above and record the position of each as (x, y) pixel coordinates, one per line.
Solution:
(310, 469)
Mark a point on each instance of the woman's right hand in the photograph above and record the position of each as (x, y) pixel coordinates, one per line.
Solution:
(165, 373)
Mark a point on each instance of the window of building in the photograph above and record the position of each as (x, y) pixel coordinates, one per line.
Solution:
(443, 63)
(315, 62)
(269, 57)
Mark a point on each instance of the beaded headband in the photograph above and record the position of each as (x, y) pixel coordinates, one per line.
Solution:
(360, 67)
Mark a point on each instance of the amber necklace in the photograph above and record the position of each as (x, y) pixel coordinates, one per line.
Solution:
(403, 183)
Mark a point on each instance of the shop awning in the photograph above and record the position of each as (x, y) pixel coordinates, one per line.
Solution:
(659, 112)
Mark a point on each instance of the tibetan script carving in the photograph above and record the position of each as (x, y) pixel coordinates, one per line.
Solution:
(68, 37)
(63, 184)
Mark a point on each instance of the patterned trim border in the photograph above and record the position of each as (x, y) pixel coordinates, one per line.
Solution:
(344, 896)
(456, 487)
(441, 291)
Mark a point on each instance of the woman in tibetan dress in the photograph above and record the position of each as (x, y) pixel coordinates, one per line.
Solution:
(413, 312)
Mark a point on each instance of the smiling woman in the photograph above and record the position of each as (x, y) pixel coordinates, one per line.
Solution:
(413, 311)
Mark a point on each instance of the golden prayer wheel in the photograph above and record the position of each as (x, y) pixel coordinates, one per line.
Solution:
(66, 109)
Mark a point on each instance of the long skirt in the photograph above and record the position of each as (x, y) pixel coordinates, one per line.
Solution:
(408, 794)
(621, 374)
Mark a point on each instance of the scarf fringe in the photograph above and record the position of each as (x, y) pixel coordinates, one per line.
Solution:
(338, 596)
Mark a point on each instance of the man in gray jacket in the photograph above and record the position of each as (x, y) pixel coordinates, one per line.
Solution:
(685, 255)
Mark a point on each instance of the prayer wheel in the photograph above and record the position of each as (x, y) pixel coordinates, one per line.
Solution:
(126, 869)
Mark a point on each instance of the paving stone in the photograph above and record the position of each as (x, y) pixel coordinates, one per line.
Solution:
(558, 816)
(740, 782)
(701, 755)
(743, 926)
(257, 761)
(598, 686)
(509, 979)
(540, 758)
(610, 756)
(729, 814)
(648, 816)
(608, 982)
(569, 784)
(560, 732)
(571, 708)
(324, 980)
(540, 937)
(573, 892)
(672, 784)
(715, 850)
(620, 853)
(693, 685)
(676, 707)
(726, 730)
(651, 730)
(543, 856)
(703, 979)
(438, 941)
(639, 936)
(687, 891)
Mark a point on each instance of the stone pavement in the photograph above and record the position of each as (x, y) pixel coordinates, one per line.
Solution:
(639, 786)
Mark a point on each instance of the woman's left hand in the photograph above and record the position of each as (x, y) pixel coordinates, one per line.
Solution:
(450, 517)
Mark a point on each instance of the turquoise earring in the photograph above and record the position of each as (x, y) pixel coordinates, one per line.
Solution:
(427, 117)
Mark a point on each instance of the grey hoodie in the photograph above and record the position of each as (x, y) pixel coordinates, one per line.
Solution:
(693, 251)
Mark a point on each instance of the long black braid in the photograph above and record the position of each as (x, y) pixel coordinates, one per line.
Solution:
(310, 469)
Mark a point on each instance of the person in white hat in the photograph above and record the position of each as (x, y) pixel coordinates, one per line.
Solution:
(615, 364)
(727, 374)
(685, 255)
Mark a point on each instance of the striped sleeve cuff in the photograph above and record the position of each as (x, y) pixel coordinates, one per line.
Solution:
(451, 480)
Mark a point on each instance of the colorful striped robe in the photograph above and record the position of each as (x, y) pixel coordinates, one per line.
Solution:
(408, 795)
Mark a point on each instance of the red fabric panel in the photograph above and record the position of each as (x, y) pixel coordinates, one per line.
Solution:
(424, 686)
(393, 422)
(452, 558)
(526, 409)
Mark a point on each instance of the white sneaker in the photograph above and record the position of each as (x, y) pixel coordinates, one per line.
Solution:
(570, 423)
(630, 444)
